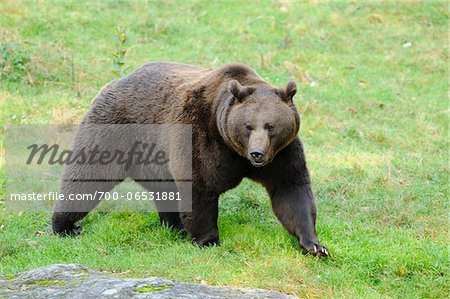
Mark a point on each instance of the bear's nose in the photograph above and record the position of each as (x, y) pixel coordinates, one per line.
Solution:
(256, 154)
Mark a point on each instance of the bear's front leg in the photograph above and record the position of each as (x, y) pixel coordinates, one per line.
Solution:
(201, 223)
(295, 207)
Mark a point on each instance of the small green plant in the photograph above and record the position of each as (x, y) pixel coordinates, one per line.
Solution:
(118, 60)
(10, 276)
(149, 288)
(13, 61)
(48, 282)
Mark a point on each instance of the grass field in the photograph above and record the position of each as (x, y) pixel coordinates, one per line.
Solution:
(373, 85)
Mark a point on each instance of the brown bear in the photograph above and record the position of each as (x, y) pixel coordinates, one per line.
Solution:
(241, 127)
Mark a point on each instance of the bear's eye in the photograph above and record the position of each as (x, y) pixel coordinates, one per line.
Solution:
(270, 128)
(248, 127)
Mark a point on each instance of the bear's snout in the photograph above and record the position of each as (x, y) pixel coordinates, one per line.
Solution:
(256, 154)
(257, 157)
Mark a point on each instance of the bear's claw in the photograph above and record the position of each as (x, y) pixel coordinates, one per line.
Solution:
(209, 240)
(315, 249)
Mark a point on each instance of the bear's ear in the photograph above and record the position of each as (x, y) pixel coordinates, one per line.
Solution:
(238, 91)
(287, 94)
(290, 90)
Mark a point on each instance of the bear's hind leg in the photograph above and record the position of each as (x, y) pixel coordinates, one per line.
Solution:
(67, 212)
(63, 223)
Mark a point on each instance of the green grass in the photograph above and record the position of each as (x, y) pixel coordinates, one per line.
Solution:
(373, 98)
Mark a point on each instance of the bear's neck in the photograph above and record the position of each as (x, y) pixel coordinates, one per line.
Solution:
(222, 107)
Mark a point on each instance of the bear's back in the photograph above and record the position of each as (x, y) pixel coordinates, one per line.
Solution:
(145, 96)
(157, 92)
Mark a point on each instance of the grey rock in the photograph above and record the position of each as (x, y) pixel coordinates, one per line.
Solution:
(76, 281)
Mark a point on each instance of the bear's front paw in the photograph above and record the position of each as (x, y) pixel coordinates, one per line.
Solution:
(210, 240)
(315, 249)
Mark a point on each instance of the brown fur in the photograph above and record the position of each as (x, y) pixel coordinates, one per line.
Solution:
(235, 117)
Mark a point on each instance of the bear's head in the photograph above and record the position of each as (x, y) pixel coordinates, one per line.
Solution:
(258, 121)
